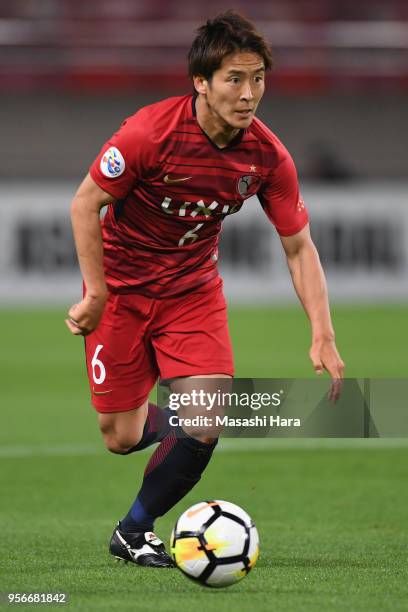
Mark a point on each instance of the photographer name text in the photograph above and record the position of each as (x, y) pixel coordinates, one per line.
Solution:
(227, 421)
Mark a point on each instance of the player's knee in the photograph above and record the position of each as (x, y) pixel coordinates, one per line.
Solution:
(113, 447)
(119, 444)
(121, 433)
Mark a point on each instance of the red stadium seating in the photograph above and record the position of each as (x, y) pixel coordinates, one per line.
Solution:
(141, 44)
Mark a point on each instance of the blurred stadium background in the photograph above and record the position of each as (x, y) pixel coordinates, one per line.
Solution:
(70, 71)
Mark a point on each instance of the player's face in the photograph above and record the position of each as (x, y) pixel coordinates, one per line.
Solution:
(235, 89)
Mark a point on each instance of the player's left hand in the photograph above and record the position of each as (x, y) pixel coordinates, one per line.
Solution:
(85, 316)
(325, 356)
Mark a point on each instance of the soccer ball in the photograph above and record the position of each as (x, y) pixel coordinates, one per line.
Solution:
(215, 543)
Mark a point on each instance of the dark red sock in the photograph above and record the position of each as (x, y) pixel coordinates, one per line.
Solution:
(155, 429)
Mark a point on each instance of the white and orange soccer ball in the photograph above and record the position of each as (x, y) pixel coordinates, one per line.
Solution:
(215, 543)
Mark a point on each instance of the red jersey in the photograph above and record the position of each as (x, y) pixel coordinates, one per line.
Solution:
(173, 188)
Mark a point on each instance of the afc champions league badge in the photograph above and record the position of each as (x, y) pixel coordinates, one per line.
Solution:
(248, 185)
(112, 163)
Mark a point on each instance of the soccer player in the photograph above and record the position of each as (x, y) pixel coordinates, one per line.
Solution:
(153, 303)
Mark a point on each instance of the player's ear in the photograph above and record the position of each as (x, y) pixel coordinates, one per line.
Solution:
(200, 84)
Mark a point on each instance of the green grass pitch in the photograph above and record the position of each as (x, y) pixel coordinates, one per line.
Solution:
(332, 517)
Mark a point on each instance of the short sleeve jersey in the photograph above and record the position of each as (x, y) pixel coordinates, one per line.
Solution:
(172, 187)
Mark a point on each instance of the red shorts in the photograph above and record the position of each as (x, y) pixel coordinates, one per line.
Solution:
(140, 339)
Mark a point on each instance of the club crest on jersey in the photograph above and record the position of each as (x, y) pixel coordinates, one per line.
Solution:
(248, 185)
(112, 163)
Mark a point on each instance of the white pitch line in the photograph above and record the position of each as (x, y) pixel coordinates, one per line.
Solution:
(227, 445)
(276, 444)
(50, 450)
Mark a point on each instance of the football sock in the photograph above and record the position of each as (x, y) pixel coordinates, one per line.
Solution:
(155, 429)
(174, 468)
(137, 519)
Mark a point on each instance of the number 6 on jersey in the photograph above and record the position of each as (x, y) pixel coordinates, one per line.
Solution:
(98, 363)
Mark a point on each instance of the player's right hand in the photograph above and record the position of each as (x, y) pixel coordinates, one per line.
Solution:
(85, 316)
(325, 356)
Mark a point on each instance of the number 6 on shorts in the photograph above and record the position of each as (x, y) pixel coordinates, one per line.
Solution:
(97, 362)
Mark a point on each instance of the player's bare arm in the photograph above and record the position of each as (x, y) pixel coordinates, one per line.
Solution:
(310, 285)
(85, 216)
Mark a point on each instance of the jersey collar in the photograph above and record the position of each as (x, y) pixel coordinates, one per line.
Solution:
(235, 141)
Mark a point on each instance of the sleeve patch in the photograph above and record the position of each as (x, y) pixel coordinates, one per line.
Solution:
(112, 163)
